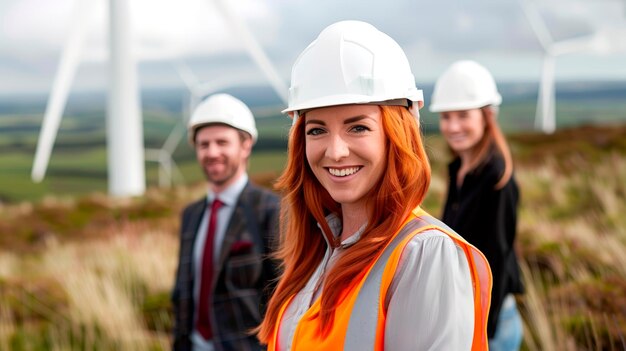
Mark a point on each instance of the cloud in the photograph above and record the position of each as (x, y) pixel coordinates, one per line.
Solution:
(32, 32)
(161, 28)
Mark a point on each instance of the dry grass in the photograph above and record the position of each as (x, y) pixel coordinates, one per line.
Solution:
(98, 288)
(111, 278)
(573, 242)
(7, 326)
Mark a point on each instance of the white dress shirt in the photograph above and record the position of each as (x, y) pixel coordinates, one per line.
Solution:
(229, 199)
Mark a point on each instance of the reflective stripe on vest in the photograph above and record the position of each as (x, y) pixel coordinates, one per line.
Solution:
(482, 280)
(362, 328)
(361, 334)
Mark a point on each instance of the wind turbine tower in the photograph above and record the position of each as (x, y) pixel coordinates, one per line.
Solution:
(124, 123)
(125, 153)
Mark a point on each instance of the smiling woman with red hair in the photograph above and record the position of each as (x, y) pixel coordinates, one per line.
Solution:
(364, 267)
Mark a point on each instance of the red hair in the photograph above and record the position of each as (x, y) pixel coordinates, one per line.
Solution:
(492, 137)
(305, 203)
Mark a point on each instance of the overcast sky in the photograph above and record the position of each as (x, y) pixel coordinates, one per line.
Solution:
(433, 34)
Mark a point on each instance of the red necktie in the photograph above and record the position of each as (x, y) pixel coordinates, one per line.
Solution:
(203, 323)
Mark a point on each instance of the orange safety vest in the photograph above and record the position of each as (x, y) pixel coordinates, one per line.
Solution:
(359, 322)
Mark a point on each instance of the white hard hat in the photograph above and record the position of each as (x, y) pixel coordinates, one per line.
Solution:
(351, 62)
(222, 108)
(465, 85)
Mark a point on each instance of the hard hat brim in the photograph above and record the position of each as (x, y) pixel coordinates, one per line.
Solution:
(349, 99)
(464, 106)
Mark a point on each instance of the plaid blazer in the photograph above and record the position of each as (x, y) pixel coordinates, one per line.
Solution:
(243, 279)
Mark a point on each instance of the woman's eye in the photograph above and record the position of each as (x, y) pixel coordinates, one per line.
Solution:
(314, 131)
(360, 129)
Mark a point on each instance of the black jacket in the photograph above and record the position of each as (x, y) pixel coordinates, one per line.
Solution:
(487, 218)
(243, 278)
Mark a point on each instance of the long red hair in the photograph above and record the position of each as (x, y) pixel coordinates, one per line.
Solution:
(305, 203)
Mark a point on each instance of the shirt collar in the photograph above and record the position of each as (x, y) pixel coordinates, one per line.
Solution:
(335, 224)
(230, 195)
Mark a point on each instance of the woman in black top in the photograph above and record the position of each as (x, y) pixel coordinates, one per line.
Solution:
(483, 196)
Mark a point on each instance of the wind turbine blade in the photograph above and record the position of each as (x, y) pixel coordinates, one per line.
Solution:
(537, 24)
(611, 40)
(219, 83)
(174, 138)
(569, 46)
(165, 172)
(189, 79)
(254, 49)
(186, 75)
(177, 175)
(57, 99)
(125, 149)
(198, 90)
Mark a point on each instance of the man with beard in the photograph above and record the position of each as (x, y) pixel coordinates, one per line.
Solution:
(224, 274)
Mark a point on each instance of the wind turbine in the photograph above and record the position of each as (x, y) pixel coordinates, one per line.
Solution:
(169, 172)
(126, 172)
(600, 41)
(125, 154)
(199, 90)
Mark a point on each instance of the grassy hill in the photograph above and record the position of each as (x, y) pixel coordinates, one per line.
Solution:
(82, 271)
(85, 271)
